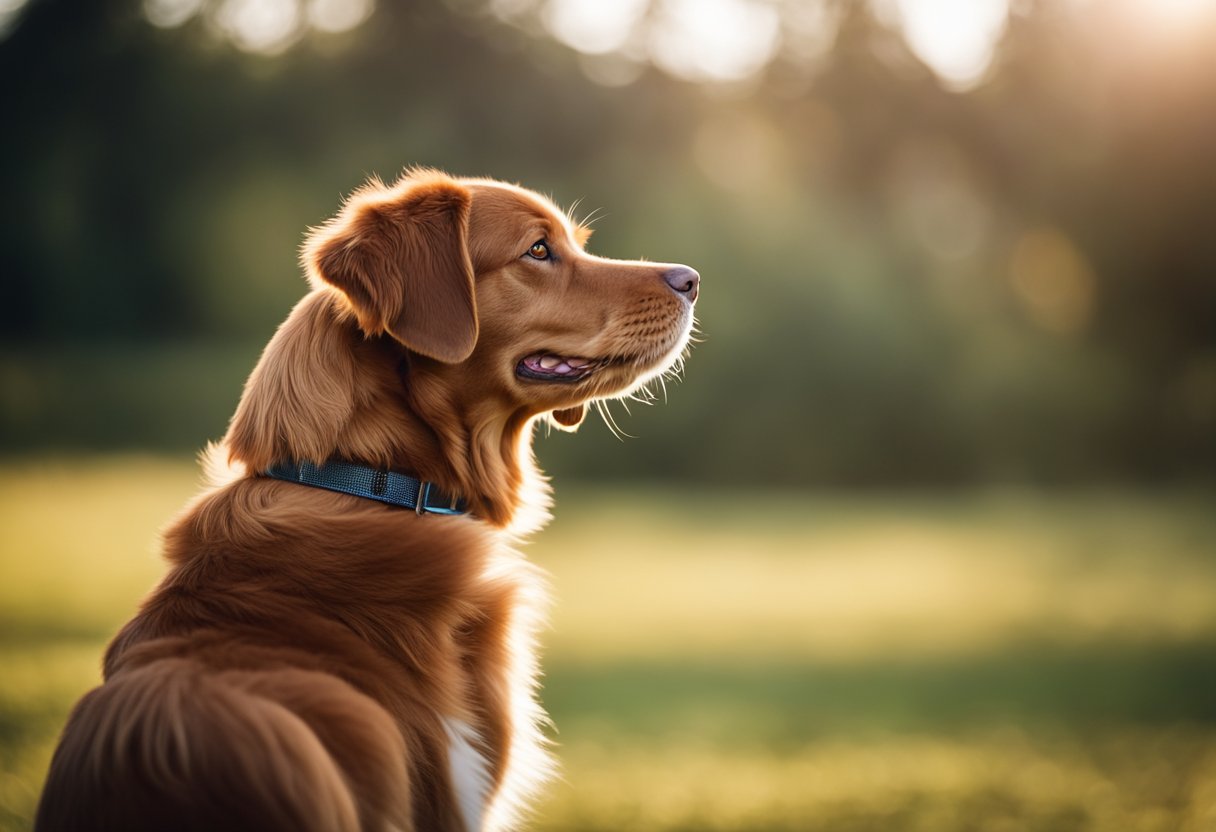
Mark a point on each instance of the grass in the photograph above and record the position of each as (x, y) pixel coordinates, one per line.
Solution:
(995, 661)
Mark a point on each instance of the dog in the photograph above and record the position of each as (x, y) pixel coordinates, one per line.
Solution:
(344, 639)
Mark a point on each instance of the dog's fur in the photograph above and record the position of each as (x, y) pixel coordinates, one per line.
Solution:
(317, 661)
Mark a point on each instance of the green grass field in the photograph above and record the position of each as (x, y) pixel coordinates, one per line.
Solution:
(996, 661)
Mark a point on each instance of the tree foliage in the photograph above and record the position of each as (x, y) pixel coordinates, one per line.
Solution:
(902, 284)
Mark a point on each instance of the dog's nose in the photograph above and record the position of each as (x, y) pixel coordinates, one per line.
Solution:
(684, 280)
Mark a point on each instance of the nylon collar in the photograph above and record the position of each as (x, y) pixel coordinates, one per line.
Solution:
(373, 484)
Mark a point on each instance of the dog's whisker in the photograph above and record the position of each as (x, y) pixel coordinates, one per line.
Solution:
(572, 212)
(600, 409)
(606, 414)
(643, 395)
(593, 217)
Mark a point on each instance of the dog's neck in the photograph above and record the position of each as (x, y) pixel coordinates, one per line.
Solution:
(484, 452)
(323, 391)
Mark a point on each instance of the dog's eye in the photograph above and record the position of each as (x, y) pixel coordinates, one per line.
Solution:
(539, 250)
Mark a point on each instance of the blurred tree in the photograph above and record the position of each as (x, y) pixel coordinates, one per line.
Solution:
(905, 284)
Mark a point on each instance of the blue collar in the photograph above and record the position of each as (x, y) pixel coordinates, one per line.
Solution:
(361, 481)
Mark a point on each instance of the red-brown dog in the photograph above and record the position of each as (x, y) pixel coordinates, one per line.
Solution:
(344, 637)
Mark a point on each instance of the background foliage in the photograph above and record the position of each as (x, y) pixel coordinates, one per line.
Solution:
(904, 284)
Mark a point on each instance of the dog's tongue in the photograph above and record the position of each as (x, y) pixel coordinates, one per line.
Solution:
(554, 365)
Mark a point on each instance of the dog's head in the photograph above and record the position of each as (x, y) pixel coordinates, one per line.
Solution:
(446, 315)
(489, 286)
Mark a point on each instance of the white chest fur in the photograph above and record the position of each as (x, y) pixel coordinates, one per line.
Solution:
(469, 773)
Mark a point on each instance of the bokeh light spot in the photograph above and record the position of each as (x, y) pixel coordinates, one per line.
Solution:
(935, 200)
(593, 26)
(955, 38)
(338, 15)
(809, 32)
(1053, 280)
(511, 10)
(611, 70)
(714, 40)
(738, 152)
(267, 26)
(169, 14)
(10, 11)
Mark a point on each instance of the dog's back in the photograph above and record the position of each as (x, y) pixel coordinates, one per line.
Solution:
(270, 681)
(173, 745)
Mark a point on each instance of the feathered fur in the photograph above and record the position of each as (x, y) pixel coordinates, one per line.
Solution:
(304, 659)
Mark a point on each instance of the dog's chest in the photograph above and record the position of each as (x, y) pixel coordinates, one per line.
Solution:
(469, 772)
(496, 762)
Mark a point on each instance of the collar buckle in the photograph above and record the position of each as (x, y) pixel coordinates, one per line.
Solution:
(425, 490)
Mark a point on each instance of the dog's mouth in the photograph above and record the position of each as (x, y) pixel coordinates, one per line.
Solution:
(547, 366)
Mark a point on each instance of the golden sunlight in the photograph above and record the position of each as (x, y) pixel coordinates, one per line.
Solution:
(1170, 13)
(10, 12)
(955, 38)
(714, 41)
(701, 40)
(265, 26)
(1160, 25)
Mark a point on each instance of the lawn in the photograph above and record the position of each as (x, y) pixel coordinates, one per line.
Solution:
(986, 661)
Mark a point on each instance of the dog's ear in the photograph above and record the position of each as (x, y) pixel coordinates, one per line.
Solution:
(400, 256)
(569, 418)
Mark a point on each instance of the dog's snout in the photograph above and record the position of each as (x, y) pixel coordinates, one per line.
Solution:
(683, 280)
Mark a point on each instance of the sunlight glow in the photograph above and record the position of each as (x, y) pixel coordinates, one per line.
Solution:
(1169, 14)
(268, 26)
(338, 15)
(955, 38)
(739, 152)
(10, 11)
(1179, 8)
(714, 40)
(1161, 10)
(169, 14)
(1053, 280)
(809, 31)
(591, 26)
(698, 40)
